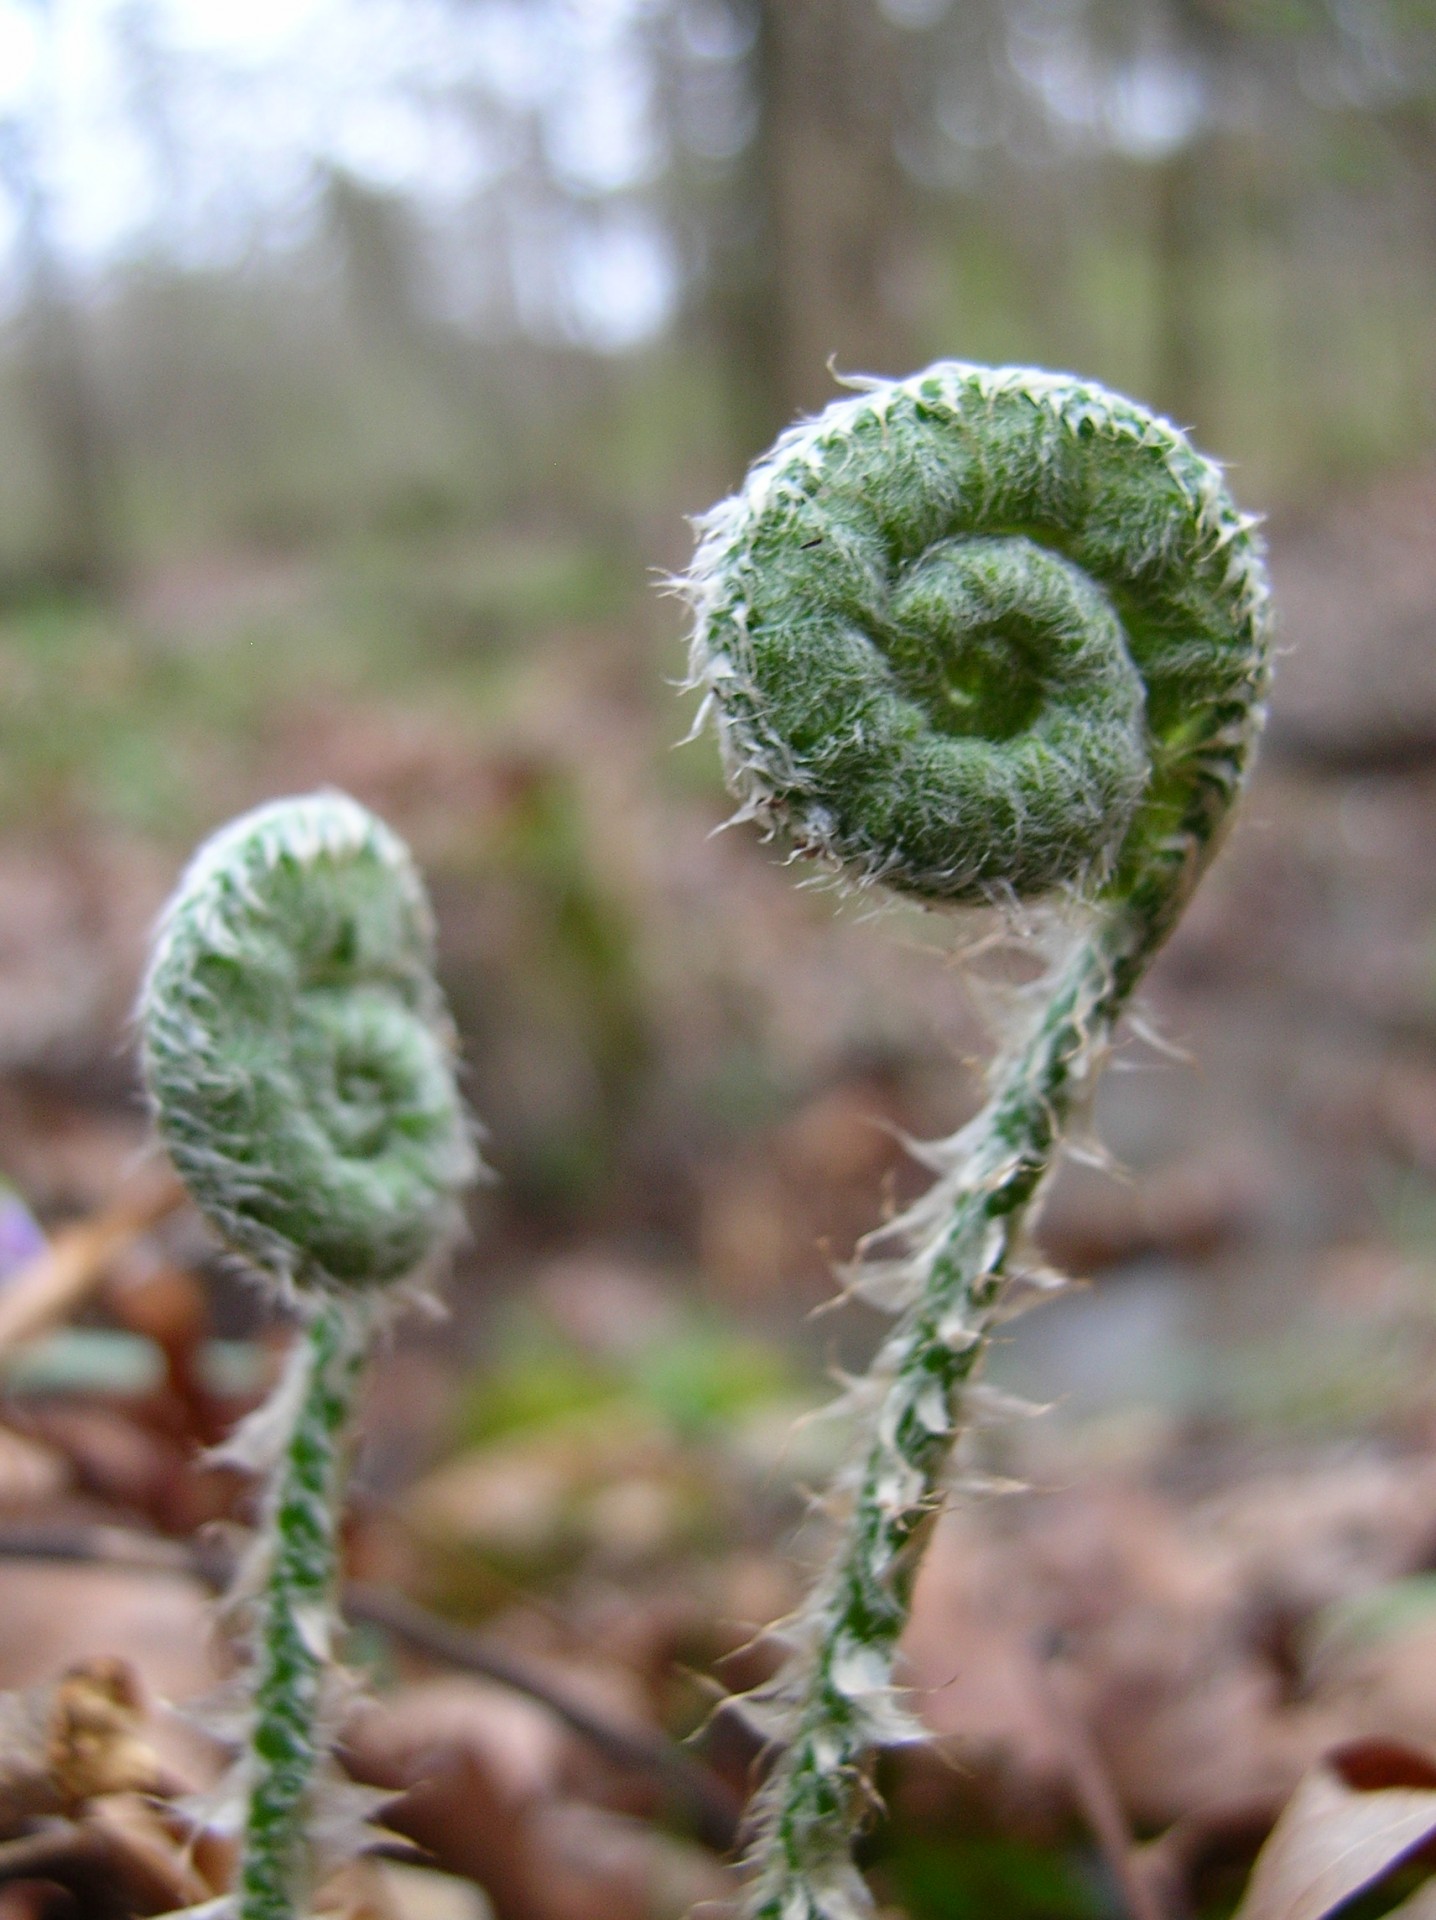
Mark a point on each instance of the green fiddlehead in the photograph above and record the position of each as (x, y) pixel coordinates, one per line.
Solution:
(301, 1069)
(975, 635)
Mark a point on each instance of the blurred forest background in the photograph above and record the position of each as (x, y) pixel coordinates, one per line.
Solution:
(360, 362)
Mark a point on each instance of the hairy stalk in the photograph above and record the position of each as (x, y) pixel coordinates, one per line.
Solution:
(976, 635)
(300, 1065)
(295, 1606)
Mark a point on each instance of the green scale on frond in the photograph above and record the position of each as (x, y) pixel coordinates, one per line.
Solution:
(977, 635)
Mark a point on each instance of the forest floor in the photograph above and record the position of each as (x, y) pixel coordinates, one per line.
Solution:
(695, 1078)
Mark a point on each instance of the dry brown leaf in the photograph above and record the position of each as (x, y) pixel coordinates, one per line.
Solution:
(416, 1893)
(56, 1617)
(472, 1760)
(490, 1783)
(30, 1472)
(67, 1744)
(587, 1863)
(356, 1892)
(1366, 1807)
(149, 1854)
(96, 1743)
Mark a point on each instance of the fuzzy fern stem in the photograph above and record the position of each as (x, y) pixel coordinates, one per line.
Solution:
(976, 635)
(839, 1693)
(300, 1064)
(295, 1606)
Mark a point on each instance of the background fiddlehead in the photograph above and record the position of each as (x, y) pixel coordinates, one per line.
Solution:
(976, 634)
(300, 1065)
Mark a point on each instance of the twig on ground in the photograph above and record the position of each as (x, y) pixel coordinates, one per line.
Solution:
(1094, 1791)
(54, 1283)
(704, 1799)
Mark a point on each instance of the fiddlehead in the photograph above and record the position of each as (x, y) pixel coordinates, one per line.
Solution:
(977, 634)
(296, 1050)
(300, 1065)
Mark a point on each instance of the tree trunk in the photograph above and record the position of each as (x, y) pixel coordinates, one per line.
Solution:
(829, 213)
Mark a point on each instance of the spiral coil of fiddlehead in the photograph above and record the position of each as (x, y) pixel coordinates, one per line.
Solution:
(301, 1068)
(296, 1048)
(977, 635)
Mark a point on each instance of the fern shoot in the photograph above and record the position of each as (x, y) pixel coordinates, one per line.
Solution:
(300, 1065)
(980, 636)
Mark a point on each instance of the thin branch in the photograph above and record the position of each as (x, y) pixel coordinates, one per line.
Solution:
(50, 1286)
(1096, 1796)
(705, 1800)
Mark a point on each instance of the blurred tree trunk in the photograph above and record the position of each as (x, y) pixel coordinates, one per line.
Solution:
(829, 213)
(76, 444)
(83, 548)
(1189, 223)
(1183, 242)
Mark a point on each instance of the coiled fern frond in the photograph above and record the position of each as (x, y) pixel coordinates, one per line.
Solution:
(296, 1048)
(978, 635)
(301, 1068)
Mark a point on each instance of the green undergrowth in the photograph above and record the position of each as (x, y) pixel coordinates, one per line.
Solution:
(652, 1459)
(977, 1876)
(693, 1374)
(105, 722)
(151, 711)
(580, 991)
(455, 599)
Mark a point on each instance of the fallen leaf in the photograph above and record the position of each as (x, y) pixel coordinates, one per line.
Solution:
(416, 1893)
(30, 1471)
(95, 1735)
(488, 1784)
(53, 1618)
(149, 1855)
(1366, 1807)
